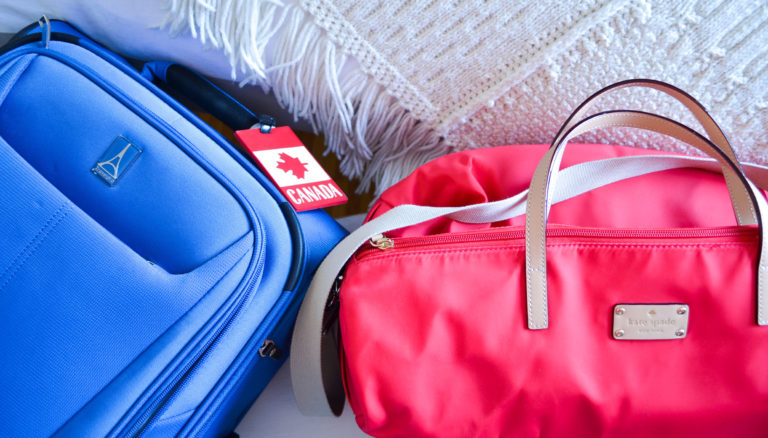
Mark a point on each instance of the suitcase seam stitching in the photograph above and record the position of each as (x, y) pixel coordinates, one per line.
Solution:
(29, 250)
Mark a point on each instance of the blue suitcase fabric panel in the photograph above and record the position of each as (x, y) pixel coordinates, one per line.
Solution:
(164, 205)
(112, 296)
(154, 269)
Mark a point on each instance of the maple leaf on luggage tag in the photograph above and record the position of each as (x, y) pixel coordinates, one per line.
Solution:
(293, 165)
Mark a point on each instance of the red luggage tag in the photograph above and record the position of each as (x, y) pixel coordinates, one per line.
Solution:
(292, 168)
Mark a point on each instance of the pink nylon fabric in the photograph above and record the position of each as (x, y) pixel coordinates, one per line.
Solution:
(491, 174)
(435, 340)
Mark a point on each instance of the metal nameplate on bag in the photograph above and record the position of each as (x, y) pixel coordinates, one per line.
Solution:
(650, 321)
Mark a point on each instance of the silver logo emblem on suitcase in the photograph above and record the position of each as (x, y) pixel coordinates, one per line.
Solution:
(116, 160)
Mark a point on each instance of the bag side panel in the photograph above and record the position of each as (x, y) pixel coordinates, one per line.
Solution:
(437, 345)
(693, 198)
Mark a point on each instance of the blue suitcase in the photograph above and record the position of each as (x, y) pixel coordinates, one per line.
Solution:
(149, 273)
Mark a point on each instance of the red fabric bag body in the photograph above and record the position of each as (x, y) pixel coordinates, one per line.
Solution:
(520, 291)
(433, 329)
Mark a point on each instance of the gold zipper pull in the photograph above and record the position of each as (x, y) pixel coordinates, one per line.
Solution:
(382, 242)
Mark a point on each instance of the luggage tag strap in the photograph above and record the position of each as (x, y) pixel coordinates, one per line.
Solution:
(265, 125)
(546, 175)
(45, 24)
(317, 390)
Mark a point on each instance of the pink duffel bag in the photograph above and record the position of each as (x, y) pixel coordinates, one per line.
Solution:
(522, 292)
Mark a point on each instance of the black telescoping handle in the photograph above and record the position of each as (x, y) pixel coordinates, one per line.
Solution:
(209, 97)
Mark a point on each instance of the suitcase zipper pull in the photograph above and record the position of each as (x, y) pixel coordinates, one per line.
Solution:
(382, 242)
(264, 124)
(45, 24)
(270, 349)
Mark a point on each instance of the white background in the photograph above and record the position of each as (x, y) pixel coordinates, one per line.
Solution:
(276, 415)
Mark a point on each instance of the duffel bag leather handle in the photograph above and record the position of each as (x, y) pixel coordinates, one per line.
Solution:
(745, 215)
(713, 130)
(545, 176)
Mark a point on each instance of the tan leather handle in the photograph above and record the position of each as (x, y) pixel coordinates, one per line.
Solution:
(545, 176)
(745, 214)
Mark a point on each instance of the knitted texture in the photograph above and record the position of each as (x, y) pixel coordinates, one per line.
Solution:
(395, 83)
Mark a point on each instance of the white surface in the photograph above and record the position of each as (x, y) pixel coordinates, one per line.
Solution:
(373, 79)
(276, 415)
(438, 76)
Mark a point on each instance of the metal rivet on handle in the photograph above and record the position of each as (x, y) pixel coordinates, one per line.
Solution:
(680, 332)
(618, 333)
(682, 311)
(620, 310)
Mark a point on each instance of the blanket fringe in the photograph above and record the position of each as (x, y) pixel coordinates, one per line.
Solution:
(280, 48)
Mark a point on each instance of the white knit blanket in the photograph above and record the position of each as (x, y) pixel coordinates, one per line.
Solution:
(395, 83)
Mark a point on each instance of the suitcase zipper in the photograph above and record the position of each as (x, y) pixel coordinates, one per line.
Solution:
(380, 242)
